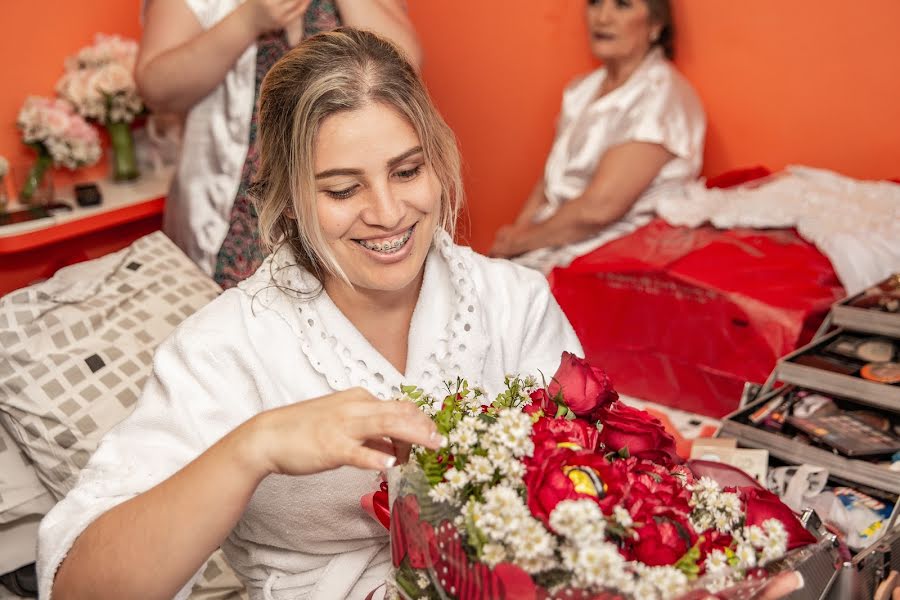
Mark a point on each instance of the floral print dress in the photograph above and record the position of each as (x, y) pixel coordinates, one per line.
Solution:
(241, 252)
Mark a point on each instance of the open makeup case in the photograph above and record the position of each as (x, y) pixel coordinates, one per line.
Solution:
(829, 414)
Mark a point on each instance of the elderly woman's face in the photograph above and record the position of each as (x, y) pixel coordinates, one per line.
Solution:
(378, 200)
(620, 29)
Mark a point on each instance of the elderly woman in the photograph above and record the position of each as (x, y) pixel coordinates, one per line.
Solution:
(627, 132)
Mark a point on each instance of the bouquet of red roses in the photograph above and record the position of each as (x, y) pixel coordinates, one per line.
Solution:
(561, 490)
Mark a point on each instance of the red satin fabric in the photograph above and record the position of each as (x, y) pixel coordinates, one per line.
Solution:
(684, 317)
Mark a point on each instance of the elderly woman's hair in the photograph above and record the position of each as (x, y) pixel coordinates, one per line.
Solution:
(661, 12)
(329, 73)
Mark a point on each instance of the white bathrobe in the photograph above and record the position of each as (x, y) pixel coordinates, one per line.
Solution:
(255, 348)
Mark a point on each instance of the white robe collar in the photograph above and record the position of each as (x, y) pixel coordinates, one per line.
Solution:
(447, 335)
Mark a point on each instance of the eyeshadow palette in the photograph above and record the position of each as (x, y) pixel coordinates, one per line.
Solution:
(846, 434)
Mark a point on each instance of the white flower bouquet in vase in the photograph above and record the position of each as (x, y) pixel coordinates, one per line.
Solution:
(99, 82)
(60, 137)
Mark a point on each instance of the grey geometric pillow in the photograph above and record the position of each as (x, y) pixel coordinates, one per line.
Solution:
(76, 350)
(19, 485)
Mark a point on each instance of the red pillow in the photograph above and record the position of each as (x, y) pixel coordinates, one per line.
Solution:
(737, 176)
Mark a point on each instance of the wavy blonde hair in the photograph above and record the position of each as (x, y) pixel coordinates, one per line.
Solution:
(328, 73)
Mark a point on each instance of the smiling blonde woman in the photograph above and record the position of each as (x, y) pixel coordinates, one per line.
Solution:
(256, 397)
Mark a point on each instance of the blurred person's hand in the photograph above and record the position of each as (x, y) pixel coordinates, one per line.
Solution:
(268, 15)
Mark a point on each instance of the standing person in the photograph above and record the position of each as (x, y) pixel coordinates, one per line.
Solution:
(357, 192)
(631, 130)
(205, 59)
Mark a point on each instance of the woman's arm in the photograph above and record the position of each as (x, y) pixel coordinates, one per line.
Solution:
(620, 178)
(387, 18)
(180, 63)
(151, 545)
(532, 205)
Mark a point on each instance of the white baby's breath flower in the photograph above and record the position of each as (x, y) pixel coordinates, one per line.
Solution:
(480, 469)
(442, 492)
(498, 453)
(464, 437)
(532, 541)
(596, 565)
(746, 555)
(716, 561)
(513, 470)
(774, 528)
(456, 479)
(513, 430)
(668, 581)
(581, 521)
(622, 517)
(645, 590)
(755, 536)
(422, 581)
(493, 554)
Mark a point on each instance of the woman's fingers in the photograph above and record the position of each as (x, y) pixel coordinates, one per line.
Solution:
(367, 458)
(399, 421)
(782, 585)
(401, 451)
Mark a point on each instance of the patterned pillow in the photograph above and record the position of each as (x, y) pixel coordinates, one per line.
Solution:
(23, 501)
(75, 351)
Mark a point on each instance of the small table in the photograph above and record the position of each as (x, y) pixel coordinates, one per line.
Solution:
(34, 250)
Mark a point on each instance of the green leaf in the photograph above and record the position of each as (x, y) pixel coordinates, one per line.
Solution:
(687, 564)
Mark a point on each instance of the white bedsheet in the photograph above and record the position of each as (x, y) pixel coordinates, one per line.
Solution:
(856, 224)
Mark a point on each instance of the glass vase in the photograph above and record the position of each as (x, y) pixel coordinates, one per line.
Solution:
(124, 161)
(35, 183)
(4, 199)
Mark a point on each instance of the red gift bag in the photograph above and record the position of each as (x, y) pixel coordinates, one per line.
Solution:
(684, 317)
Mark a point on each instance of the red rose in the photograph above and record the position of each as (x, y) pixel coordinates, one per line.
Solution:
(541, 402)
(653, 491)
(760, 505)
(564, 474)
(661, 540)
(549, 434)
(641, 433)
(585, 389)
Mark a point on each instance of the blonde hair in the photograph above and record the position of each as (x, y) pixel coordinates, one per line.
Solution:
(341, 70)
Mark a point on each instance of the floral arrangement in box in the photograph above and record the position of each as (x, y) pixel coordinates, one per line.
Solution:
(99, 82)
(59, 136)
(561, 490)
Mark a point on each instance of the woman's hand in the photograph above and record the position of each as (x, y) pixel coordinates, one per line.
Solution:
(268, 15)
(346, 428)
(508, 241)
(782, 585)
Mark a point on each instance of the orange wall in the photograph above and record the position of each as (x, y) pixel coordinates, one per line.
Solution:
(35, 39)
(807, 81)
(814, 82)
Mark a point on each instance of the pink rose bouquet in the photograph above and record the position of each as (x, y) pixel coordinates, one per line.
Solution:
(99, 81)
(58, 135)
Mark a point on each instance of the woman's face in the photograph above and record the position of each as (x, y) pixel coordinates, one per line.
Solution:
(620, 29)
(377, 199)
